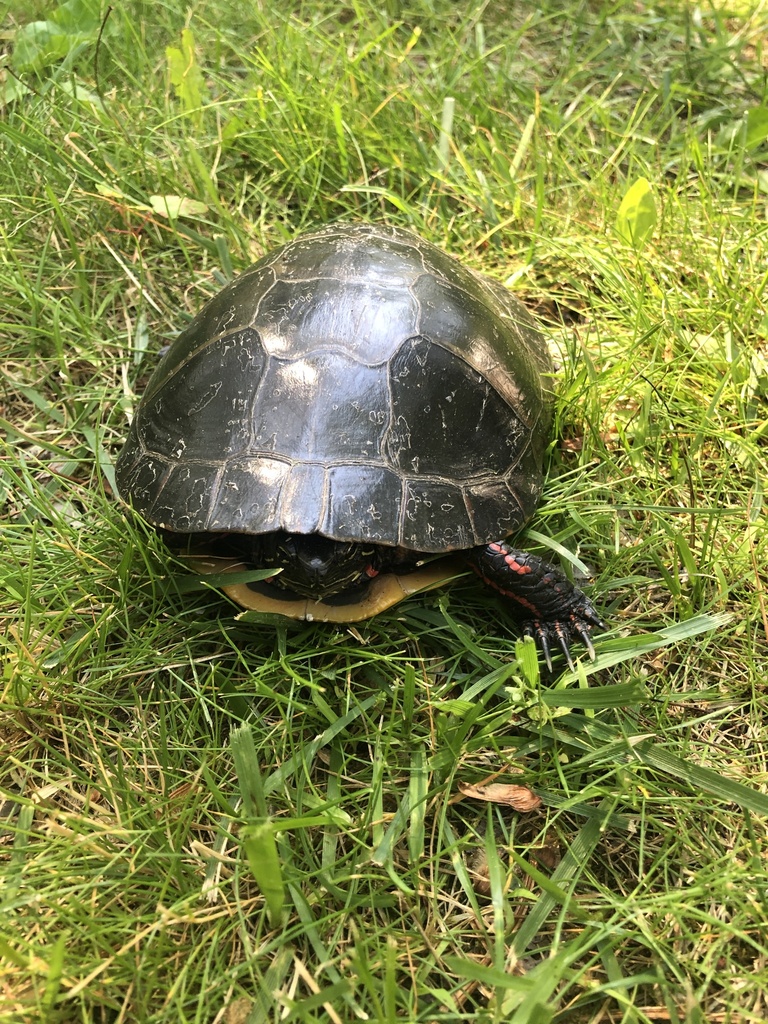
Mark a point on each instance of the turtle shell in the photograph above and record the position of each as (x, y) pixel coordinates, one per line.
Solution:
(358, 383)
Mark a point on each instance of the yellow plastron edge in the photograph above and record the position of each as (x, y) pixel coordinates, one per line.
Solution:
(381, 593)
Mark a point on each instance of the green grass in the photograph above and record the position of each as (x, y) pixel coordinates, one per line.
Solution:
(136, 860)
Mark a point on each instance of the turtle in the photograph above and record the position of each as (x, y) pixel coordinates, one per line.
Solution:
(352, 406)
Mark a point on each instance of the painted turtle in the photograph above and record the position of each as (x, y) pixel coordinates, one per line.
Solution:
(353, 403)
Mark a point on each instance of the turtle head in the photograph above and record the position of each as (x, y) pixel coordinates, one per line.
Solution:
(313, 565)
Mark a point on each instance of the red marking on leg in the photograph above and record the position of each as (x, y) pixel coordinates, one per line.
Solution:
(515, 566)
(508, 593)
(370, 572)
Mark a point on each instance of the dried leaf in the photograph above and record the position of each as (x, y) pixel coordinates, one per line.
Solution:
(519, 797)
(479, 869)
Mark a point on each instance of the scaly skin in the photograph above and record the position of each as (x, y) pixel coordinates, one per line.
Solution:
(545, 603)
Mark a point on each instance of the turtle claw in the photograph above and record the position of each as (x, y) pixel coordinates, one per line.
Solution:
(564, 646)
(544, 633)
(544, 645)
(538, 634)
(586, 639)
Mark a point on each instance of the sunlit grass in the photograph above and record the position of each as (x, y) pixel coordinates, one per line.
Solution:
(635, 891)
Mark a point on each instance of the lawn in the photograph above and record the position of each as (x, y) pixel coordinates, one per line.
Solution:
(213, 818)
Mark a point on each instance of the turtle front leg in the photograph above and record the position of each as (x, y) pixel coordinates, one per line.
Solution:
(547, 606)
